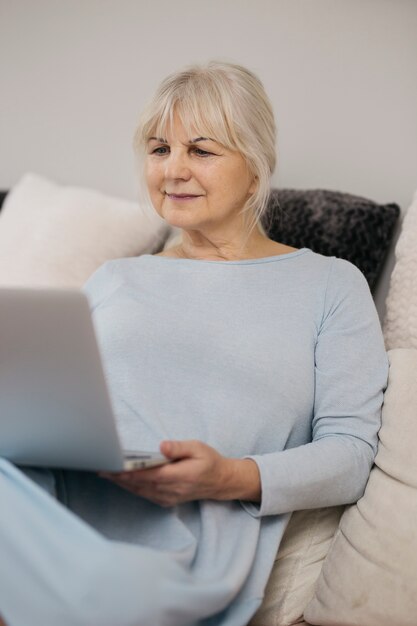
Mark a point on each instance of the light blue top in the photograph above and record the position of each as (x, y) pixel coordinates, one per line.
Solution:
(280, 359)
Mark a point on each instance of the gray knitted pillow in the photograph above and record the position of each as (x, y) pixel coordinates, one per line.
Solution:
(334, 224)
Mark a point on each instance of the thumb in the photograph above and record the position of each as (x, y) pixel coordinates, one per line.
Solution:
(179, 449)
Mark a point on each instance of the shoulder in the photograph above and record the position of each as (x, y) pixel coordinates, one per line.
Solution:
(99, 284)
(338, 285)
(337, 272)
(107, 278)
(326, 272)
(347, 298)
(345, 278)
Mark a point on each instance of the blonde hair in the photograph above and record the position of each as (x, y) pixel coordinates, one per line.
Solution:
(224, 101)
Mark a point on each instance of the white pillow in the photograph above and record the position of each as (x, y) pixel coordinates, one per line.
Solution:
(400, 325)
(297, 567)
(369, 577)
(55, 236)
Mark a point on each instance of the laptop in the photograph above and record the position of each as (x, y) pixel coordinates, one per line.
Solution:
(55, 408)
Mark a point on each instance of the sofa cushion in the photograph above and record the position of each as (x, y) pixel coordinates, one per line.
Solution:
(334, 224)
(56, 236)
(400, 324)
(297, 566)
(369, 575)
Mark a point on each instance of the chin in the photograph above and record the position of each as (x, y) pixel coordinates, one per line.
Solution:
(180, 219)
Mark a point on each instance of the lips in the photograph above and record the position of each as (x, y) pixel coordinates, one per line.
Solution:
(181, 199)
(176, 196)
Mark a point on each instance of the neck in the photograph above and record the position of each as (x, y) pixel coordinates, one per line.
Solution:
(195, 245)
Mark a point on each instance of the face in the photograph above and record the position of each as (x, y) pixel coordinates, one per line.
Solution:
(195, 182)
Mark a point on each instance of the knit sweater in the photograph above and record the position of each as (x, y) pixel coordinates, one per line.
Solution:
(280, 359)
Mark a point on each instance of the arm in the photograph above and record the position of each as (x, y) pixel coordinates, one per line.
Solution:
(351, 369)
(199, 472)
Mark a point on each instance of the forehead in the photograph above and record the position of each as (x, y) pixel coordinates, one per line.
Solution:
(174, 129)
(189, 128)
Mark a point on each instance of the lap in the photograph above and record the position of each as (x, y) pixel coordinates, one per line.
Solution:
(119, 515)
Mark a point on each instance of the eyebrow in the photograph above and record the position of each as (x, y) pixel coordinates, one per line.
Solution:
(201, 139)
(196, 140)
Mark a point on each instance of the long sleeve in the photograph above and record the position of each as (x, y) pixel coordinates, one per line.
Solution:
(351, 370)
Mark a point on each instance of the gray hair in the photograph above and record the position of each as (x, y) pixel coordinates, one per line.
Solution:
(224, 101)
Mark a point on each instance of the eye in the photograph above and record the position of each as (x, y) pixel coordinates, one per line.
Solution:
(202, 153)
(160, 150)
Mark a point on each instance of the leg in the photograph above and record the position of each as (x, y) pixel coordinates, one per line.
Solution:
(70, 574)
(56, 569)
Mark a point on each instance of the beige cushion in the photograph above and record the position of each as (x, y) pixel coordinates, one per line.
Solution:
(400, 324)
(297, 566)
(369, 577)
(56, 236)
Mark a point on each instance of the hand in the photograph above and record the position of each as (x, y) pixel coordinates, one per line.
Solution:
(198, 472)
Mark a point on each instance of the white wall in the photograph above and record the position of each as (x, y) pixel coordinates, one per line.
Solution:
(74, 75)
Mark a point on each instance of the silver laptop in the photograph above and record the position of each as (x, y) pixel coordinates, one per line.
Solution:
(55, 408)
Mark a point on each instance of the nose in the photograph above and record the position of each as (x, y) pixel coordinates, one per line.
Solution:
(176, 166)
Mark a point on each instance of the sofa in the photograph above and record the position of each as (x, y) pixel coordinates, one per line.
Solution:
(340, 566)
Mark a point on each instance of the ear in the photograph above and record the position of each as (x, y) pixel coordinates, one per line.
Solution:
(254, 185)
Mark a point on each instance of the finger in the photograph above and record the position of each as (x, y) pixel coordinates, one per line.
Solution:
(147, 477)
(154, 492)
(168, 475)
(138, 476)
(180, 449)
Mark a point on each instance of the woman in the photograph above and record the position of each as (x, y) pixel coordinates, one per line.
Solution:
(258, 368)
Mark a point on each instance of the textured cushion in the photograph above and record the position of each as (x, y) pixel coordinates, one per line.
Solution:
(334, 224)
(400, 325)
(369, 577)
(297, 566)
(57, 236)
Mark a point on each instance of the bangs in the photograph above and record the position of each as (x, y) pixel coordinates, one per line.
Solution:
(213, 120)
